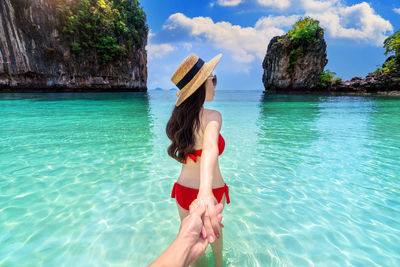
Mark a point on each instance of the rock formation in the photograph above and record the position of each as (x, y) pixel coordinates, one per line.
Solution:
(373, 83)
(284, 72)
(34, 57)
(296, 67)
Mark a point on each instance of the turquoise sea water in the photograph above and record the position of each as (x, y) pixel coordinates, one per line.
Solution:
(85, 179)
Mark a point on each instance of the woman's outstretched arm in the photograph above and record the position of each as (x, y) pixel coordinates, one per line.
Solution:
(209, 158)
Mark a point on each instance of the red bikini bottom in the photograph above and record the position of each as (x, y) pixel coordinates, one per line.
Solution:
(185, 195)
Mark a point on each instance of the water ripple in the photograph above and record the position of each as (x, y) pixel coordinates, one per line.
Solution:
(87, 181)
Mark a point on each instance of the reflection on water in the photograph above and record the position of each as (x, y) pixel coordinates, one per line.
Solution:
(319, 181)
(286, 122)
(71, 166)
(384, 129)
(85, 179)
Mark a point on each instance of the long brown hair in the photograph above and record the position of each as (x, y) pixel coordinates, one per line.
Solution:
(184, 121)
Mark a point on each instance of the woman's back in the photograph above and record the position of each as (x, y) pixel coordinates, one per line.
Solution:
(190, 173)
(200, 178)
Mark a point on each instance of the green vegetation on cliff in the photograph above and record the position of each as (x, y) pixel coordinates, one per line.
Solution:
(303, 33)
(110, 28)
(327, 78)
(392, 46)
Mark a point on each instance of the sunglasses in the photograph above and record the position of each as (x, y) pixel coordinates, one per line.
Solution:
(214, 79)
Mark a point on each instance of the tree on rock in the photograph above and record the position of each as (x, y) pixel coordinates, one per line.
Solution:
(392, 46)
(295, 60)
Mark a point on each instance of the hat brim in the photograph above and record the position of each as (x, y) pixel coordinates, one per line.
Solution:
(198, 79)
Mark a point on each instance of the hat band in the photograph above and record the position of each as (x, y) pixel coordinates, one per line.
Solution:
(192, 72)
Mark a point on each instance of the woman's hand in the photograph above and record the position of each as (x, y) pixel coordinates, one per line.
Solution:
(188, 246)
(211, 222)
(191, 227)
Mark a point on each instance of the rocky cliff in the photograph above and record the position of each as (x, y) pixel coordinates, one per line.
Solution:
(288, 67)
(295, 63)
(373, 83)
(35, 58)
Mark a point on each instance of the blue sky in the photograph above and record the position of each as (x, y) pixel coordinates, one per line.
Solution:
(242, 29)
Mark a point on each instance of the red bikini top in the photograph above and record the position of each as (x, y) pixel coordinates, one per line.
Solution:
(197, 153)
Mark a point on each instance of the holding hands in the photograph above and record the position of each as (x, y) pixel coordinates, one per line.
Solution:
(198, 210)
(212, 217)
(191, 242)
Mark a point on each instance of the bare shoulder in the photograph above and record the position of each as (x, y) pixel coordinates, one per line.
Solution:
(213, 117)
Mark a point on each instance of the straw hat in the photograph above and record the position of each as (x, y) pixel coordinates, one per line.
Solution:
(192, 73)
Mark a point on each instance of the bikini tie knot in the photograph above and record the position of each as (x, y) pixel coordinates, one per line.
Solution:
(191, 156)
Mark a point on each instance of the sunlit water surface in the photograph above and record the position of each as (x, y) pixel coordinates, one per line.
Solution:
(85, 179)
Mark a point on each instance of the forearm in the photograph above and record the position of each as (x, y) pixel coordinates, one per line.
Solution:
(208, 162)
(175, 255)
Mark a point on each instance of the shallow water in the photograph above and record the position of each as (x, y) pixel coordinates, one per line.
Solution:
(85, 179)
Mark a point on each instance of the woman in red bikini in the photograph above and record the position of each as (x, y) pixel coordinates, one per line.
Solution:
(196, 143)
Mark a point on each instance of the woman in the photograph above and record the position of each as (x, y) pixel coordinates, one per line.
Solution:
(197, 143)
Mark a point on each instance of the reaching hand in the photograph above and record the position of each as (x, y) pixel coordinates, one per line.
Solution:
(197, 207)
(189, 246)
(190, 230)
(211, 223)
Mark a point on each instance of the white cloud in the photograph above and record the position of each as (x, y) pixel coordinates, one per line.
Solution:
(358, 21)
(276, 21)
(151, 34)
(319, 6)
(187, 46)
(159, 50)
(397, 10)
(245, 43)
(281, 4)
(229, 2)
(155, 51)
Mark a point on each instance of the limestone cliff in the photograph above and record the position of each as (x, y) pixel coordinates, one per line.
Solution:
(373, 83)
(34, 57)
(291, 68)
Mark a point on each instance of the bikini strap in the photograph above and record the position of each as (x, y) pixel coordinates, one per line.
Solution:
(227, 194)
(192, 156)
(173, 191)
